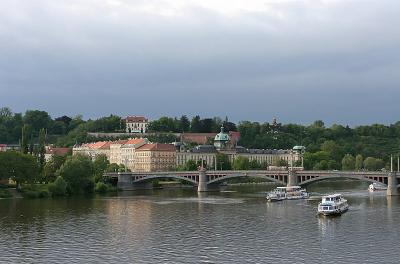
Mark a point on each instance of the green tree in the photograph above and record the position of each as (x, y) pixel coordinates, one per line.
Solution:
(241, 163)
(190, 165)
(373, 164)
(359, 162)
(195, 125)
(184, 124)
(19, 167)
(58, 187)
(112, 167)
(42, 148)
(24, 140)
(100, 166)
(77, 171)
(223, 162)
(50, 168)
(37, 120)
(279, 163)
(333, 149)
(5, 112)
(348, 162)
(254, 165)
(206, 125)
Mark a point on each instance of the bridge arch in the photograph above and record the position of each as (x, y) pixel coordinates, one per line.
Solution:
(239, 175)
(148, 178)
(322, 178)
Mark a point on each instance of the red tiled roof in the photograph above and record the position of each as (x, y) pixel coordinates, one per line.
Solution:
(234, 135)
(106, 145)
(157, 147)
(134, 141)
(202, 138)
(122, 141)
(97, 145)
(136, 119)
(58, 151)
(199, 138)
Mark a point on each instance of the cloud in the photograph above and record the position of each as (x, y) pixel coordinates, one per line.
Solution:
(186, 57)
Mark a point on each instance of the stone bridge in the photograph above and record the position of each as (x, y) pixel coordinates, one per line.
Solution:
(204, 179)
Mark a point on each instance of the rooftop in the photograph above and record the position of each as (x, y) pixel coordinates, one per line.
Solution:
(157, 147)
(58, 151)
(134, 141)
(136, 119)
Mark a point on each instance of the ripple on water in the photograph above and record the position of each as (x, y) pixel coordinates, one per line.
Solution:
(207, 229)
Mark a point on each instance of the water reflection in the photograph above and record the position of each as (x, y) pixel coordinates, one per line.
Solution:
(183, 226)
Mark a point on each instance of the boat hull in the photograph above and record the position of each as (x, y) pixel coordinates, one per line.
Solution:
(333, 213)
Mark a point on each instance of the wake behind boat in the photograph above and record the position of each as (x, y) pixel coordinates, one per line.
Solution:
(376, 187)
(333, 204)
(287, 193)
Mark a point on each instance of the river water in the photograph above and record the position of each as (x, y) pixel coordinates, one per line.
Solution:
(180, 226)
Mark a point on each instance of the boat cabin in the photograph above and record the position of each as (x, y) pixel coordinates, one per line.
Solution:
(332, 198)
(288, 189)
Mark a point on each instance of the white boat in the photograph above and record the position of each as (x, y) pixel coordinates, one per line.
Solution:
(333, 204)
(376, 187)
(287, 193)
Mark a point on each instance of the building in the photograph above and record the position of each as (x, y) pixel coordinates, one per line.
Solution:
(51, 152)
(116, 151)
(201, 153)
(127, 150)
(224, 144)
(155, 157)
(93, 149)
(136, 124)
(267, 156)
(3, 147)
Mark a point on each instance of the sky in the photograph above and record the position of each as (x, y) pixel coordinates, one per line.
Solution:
(296, 60)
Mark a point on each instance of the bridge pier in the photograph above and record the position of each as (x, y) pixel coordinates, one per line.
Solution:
(202, 187)
(392, 185)
(125, 183)
(292, 179)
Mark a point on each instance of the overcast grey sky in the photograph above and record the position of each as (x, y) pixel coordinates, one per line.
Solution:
(298, 60)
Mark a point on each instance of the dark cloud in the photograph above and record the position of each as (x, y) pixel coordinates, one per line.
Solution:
(334, 60)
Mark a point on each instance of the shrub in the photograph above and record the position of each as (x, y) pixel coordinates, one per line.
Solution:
(58, 187)
(4, 193)
(88, 186)
(31, 194)
(101, 187)
(44, 194)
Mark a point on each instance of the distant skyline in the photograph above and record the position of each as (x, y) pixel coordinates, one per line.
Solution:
(296, 60)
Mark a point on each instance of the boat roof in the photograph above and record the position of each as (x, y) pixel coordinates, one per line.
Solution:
(332, 195)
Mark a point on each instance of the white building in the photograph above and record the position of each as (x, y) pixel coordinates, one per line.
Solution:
(128, 149)
(136, 124)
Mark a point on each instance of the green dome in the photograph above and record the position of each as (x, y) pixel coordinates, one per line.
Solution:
(221, 136)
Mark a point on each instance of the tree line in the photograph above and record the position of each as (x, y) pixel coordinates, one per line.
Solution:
(326, 147)
(195, 125)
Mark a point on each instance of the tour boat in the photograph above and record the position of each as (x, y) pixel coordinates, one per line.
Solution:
(333, 204)
(287, 193)
(376, 187)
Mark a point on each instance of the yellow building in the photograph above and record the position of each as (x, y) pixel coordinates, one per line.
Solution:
(155, 157)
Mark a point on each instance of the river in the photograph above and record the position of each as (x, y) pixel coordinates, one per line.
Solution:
(180, 226)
